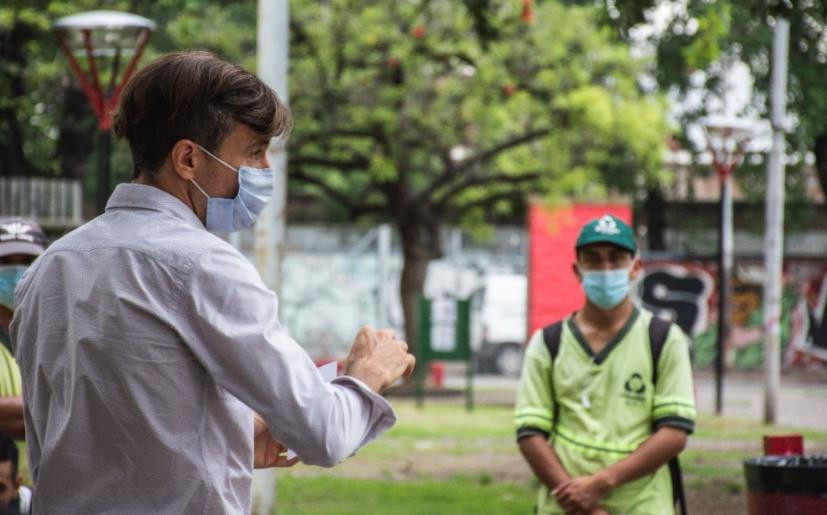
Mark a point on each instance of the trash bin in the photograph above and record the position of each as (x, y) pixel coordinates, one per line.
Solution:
(778, 485)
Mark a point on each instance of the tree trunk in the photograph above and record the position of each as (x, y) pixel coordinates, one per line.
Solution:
(655, 207)
(78, 134)
(12, 54)
(820, 151)
(420, 245)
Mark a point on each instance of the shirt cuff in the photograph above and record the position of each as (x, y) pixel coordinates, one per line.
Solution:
(686, 424)
(382, 416)
(525, 432)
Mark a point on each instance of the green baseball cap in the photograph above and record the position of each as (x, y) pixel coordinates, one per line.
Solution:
(608, 229)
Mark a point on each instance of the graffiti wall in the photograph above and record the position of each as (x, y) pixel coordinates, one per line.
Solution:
(686, 292)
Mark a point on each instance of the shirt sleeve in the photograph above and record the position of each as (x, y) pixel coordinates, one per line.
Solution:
(230, 322)
(533, 413)
(674, 402)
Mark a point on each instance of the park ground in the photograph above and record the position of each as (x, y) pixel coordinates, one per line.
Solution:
(443, 459)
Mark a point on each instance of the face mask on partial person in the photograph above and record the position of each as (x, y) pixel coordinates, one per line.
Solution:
(255, 189)
(606, 288)
(10, 275)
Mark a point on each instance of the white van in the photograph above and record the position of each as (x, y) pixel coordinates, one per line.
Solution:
(500, 318)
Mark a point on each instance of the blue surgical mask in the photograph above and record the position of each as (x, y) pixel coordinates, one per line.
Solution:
(10, 275)
(606, 288)
(255, 189)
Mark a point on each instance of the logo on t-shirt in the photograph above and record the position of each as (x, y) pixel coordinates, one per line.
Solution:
(634, 388)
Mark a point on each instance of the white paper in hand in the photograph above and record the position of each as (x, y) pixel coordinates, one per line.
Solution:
(328, 372)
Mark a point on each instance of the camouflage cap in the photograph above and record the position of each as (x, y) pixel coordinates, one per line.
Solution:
(608, 229)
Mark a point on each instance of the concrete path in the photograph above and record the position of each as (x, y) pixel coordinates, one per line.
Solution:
(802, 399)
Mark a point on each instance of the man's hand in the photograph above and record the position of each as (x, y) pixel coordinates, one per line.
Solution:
(377, 359)
(267, 452)
(581, 495)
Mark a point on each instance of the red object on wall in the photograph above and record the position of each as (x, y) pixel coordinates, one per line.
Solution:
(553, 290)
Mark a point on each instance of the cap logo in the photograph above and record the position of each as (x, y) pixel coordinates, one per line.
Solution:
(16, 231)
(607, 225)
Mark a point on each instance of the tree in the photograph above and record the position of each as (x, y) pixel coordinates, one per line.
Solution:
(704, 36)
(408, 111)
(422, 113)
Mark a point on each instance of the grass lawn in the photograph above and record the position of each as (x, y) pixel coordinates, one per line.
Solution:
(326, 495)
(442, 459)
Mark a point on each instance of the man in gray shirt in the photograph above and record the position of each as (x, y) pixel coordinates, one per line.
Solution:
(156, 373)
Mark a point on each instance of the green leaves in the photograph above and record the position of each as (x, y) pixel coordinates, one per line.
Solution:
(388, 92)
(713, 26)
(447, 99)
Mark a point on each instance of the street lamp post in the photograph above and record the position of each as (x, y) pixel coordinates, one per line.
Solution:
(726, 140)
(106, 39)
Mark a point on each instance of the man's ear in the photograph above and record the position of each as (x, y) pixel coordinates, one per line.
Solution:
(17, 481)
(637, 268)
(185, 158)
(576, 270)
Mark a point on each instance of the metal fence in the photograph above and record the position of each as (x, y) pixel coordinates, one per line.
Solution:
(53, 202)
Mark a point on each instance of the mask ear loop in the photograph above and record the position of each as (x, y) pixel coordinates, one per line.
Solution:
(218, 159)
(200, 189)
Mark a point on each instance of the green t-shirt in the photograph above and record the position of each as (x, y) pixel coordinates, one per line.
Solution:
(606, 406)
(9, 374)
(10, 387)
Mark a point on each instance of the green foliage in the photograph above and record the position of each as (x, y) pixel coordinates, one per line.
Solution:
(385, 91)
(713, 25)
(422, 113)
(386, 96)
(33, 88)
(706, 35)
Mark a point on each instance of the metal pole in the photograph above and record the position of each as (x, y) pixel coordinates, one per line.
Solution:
(383, 245)
(104, 151)
(273, 31)
(269, 232)
(455, 243)
(774, 239)
(724, 282)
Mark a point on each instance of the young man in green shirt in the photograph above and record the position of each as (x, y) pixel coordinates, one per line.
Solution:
(599, 411)
(21, 241)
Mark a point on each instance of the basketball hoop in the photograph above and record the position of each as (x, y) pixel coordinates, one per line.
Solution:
(726, 140)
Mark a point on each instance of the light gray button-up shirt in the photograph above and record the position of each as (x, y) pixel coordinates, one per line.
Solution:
(144, 344)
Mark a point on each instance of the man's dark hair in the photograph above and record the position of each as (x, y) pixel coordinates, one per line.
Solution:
(9, 452)
(194, 95)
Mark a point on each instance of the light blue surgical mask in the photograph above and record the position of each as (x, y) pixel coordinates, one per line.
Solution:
(606, 288)
(10, 275)
(255, 189)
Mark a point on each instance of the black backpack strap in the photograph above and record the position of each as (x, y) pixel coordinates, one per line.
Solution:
(552, 335)
(658, 331)
(678, 494)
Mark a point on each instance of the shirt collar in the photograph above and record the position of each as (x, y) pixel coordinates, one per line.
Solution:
(140, 196)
